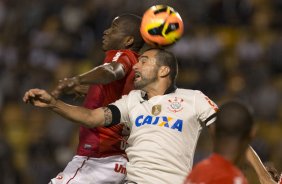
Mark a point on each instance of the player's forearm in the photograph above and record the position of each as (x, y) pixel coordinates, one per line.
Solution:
(80, 115)
(263, 175)
(101, 75)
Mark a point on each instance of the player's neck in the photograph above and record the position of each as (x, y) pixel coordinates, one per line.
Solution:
(231, 151)
(157, 88)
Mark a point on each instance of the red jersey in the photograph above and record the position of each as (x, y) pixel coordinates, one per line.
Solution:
(103, 142)
(215, 170)
(280, 180)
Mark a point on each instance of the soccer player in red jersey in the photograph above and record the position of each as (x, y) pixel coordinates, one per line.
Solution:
(233, 132)
(100, 156)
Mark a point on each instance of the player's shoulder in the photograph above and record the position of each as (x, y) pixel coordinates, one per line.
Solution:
(122, 52)
(201, 167)
(126, 56)
(128, 51)
(182, 91)
(135, 93)
(133, 97)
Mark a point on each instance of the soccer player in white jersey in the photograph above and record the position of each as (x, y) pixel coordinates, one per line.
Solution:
(165, 121)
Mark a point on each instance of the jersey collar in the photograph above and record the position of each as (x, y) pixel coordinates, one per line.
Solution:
(171, 89)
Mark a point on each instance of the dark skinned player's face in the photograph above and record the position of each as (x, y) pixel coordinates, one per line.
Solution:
(114, 37)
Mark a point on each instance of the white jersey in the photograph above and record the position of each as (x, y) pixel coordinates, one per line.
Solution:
(164, 133)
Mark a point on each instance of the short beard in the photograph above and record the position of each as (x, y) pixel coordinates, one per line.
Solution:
(139, 85)
(144, 82)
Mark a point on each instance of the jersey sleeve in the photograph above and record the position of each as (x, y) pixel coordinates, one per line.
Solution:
(121, 112)
(205, 108)
(124, 59)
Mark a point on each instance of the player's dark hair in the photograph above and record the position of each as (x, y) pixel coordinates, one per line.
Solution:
(132, 25)
(234, 120)
(166, 58)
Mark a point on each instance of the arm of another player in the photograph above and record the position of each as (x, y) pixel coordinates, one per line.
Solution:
(102, 74)
(264, 176)
(89, 118)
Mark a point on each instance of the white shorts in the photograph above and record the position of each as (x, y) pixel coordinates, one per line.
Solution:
(88, 170)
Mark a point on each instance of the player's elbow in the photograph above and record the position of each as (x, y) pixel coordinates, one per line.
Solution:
(113, 71)
(107, 74)
(111, 75)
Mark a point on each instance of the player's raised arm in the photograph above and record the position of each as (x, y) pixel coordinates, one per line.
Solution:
(89, 118)
(103, 74)
(263, 175)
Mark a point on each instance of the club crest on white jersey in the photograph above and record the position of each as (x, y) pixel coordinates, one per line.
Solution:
(175, 104)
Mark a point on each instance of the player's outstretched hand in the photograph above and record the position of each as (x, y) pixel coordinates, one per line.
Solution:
(272, 171)
(70, 86)
(39, 98)
(66, 85)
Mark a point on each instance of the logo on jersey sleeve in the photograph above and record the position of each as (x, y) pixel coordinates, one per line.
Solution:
(160, 121)
(59, 176)
(212, 104)
(156, 109)
(175, 104)
(118, 54)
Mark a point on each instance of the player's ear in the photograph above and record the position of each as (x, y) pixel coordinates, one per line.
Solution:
(164, 71)
(128, 41)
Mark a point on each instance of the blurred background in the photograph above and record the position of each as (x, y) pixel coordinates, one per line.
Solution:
(230, 49)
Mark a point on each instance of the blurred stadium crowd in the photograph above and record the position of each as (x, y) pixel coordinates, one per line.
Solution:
(230, 49)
